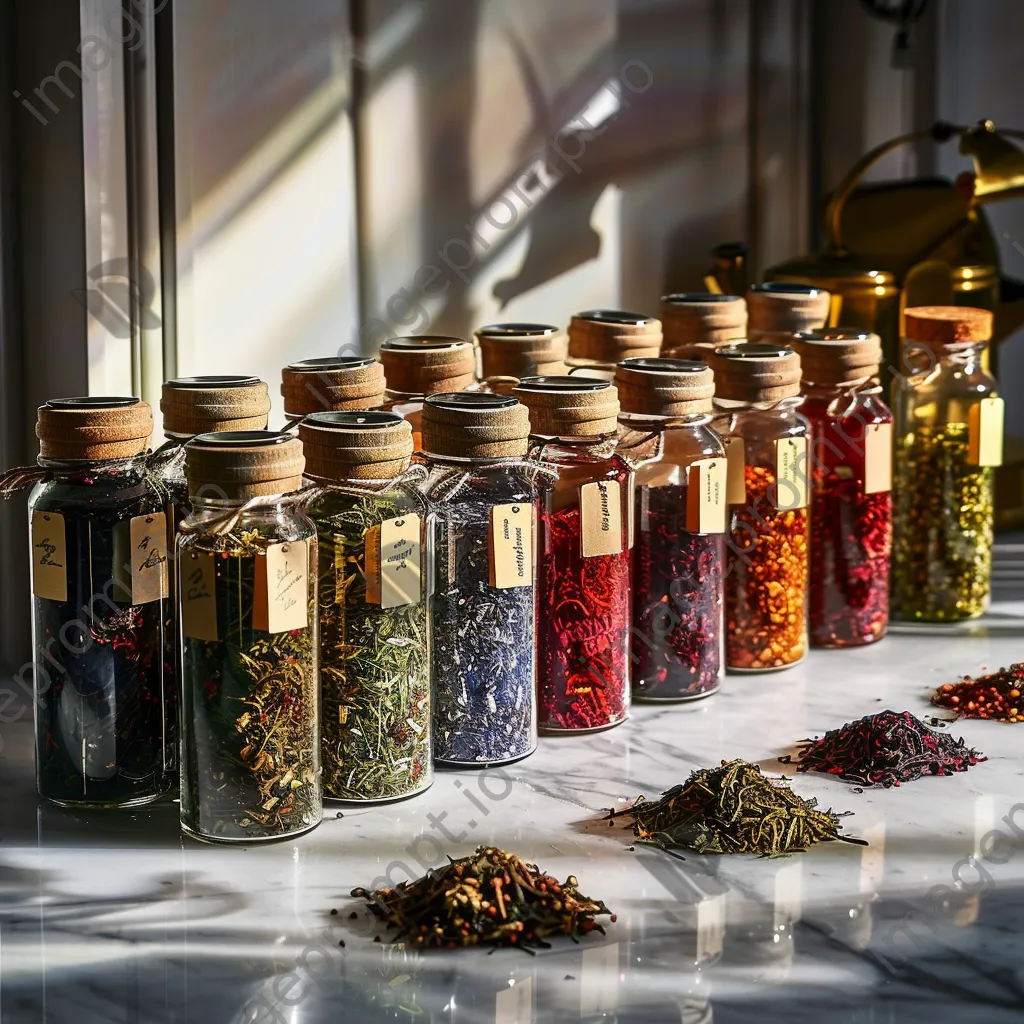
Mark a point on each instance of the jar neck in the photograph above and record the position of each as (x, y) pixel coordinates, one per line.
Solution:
(570, 441)
(728, 405)
(272, 504)
(638, 421)
(78, 469)
(825, 392)
(965, 354)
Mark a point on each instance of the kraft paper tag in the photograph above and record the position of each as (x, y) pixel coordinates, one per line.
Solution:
(706, 482)
(878, 458)
(985, 431)
(511, 544)
(198, 576)
(280, 598)
(49, 556)
(736, 478)
(149, 558)
(601, 518)
(790, 473)
(371, 564)
(400, 554)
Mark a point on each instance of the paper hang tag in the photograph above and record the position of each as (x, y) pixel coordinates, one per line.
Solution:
(985, 432)
(198, 576)
(393, 562)
(49, 556)
(601, 518)
(878, 458)
(511, 546)
(736, 478)
(706, 482)
(281, 592)
(149, 577)
(790, 473)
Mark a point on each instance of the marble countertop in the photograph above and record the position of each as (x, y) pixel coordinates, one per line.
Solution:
(117, 917)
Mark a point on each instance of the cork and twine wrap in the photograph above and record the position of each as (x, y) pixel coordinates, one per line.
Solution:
(354, 446)
(521, 350)
(689, 320)
(472, 425)
(93, 429)
(755, 372)
(569, 406)
(244, 471)
(665, 387)
(834, 355)
(202, 405)
(609, 336)
(776, 311)
(937, 327)
(427, 364)
(322, 385)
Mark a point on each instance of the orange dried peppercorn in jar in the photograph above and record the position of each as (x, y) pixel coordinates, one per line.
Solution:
(757, 397)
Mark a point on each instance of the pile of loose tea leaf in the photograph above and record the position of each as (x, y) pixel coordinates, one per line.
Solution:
(733, 809)
(884, 750)
(996, 696)
(491, 898)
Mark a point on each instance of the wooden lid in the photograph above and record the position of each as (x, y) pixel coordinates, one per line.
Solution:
(202, 405)
(332, 383)
(427, 364)
(693, 318)
(779, 309)
(93, 429)
(837, 355)
(356, 445)
(521, 350)
(665, 387)
(938, 326)
(569, 406)
(755, 372)
(242, 464)
(609, 336)
(474, 425)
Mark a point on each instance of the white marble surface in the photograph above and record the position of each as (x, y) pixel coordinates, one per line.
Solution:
(117, 917)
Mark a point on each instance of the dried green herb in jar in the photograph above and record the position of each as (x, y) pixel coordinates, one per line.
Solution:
(375, 682)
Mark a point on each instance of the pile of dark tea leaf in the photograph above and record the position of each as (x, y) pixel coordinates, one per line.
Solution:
(733, 809)
(491, 898)
(996, 696)
(884, 750)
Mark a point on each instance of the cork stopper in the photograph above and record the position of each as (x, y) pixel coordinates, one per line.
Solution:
(332, 383)
(237, 465)
(522, 350)
(93, 429)
(609, 336)
(755, 372)
(665, 387)
(569, 406)
(837, 355)
(779, 309)
(474, 425)
(427, 364)
(939, 326)
(690, 319)
(202, 405)
(354, 445)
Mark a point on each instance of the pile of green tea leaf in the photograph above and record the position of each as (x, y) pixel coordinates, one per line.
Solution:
(733, 809)
(491, 898)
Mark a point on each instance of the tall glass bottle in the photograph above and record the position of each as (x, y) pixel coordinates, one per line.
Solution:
(678, 646)
(851, 480)
(584, 573)
(375, 547)
(422, 365)
(104, 692)
(247, 556)
(599, 339)
(949, 435)
(334, 383)
(757, 397)
(483, 619)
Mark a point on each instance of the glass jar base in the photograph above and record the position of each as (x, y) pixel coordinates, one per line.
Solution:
(556, 730)
(244, 840)
(92, 805)
(442, 763)
(910, 619)
(758, 671)
(643, 698)
(832, 644)
(348, 801)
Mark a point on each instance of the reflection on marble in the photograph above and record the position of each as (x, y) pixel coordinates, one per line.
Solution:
(116, 917)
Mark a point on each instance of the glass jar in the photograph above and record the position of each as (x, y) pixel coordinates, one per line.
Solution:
(757, 398)
(421, 365)
(375, 546)
(691, 320)
(851, 480)
(483, 619)
(521, 350)
(599, 339)
(679, 554)
(250, 763)
(584, 572)
(334, 383)
(104, 691)
(948, 439)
